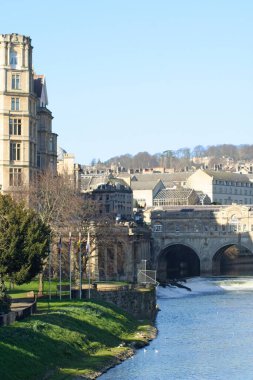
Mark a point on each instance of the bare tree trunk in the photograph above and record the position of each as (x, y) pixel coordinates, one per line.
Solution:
(40, 288)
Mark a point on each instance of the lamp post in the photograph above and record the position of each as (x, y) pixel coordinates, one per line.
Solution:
(49, 266)
(59, 251)
(80, 266)
(70, 268)
(88, 259)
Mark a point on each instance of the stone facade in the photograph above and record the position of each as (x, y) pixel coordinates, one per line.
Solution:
(202, 232)
(66, 166)
(223, 187)
(27, 143)
(122, 259)
(113, 196)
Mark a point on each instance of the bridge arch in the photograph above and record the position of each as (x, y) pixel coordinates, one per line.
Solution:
(177, 261)
(232, 259)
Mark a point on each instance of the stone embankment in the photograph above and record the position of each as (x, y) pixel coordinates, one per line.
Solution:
(139, 301)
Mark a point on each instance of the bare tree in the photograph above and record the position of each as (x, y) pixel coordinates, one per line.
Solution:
(65, 210)
(55, 199)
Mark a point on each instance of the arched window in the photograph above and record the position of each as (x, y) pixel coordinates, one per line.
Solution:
(234, 223)
(13, 59)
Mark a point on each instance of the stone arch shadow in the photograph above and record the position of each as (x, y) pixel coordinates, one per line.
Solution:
(233, 259)
(112, 262)
(177, 261)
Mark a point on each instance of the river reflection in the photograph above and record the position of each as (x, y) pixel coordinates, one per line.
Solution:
(205, 334)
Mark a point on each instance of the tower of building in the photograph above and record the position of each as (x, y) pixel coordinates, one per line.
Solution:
(27, 143)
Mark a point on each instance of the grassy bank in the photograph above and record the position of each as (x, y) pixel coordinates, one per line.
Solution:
(65, 340)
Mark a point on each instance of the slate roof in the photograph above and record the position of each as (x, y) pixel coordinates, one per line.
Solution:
(38, 84)
(144, 185)
(227, 176)
(165, 177)
(93, 182)
(180, 193)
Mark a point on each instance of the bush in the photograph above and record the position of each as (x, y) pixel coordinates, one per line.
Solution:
(5, 301)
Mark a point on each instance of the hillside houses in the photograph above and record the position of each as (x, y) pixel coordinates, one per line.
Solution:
(199, 187)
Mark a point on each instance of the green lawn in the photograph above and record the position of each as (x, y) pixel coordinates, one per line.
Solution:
(21, 290)
(33, 286)
(65, 339)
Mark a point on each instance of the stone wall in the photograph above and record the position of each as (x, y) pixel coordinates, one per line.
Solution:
(17, 315)
(141, 303)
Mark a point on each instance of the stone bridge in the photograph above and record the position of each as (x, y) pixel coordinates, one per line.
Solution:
(201, 240)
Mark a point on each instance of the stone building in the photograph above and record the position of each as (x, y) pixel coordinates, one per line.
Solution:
(147, 186)
(145, 191)
(222, 187)
(130, 245)
(67, 167)
(27, 143)
(113, 195)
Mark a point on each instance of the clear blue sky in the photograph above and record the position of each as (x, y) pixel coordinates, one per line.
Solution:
(126, 76)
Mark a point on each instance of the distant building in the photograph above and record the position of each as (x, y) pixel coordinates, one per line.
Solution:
(66, 166)
(222, 187)
(145, 191)
(113, 196)
(27, 143)
(146, 186)
(176, 197)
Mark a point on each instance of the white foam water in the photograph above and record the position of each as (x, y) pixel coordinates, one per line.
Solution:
(210, 285)
(237, 284)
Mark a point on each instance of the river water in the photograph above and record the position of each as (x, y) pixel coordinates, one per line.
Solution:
(205, 334)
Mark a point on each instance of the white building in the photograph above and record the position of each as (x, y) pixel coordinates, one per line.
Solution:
(222, 187)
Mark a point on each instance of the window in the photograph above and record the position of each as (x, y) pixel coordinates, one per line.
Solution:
(15, 151)
(38, 160)
(15, 104)
(50, 144)
(234, 223)
(157, 228)
(15, 176)
(13, 58)
(15, 126)
(15, 81)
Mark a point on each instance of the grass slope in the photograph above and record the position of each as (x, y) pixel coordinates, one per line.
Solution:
(66, 339)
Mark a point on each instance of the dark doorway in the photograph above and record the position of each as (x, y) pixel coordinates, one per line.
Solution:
(178, 261)
(233, 260)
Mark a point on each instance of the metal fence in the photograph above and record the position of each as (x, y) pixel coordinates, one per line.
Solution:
(147, 277)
